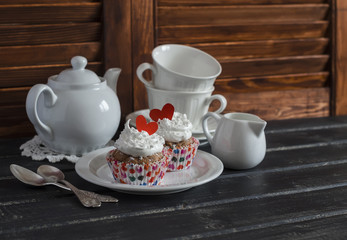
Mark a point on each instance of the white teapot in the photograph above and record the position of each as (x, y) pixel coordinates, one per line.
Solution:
(76, 111)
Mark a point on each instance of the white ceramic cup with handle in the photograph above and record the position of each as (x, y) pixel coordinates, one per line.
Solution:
(194, 104)
(180, 68)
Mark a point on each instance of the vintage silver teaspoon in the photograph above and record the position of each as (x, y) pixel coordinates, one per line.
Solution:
(53, 174)
(29, 177)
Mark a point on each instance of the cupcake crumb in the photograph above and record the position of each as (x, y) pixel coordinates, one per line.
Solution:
(122, 157)
(179, 144)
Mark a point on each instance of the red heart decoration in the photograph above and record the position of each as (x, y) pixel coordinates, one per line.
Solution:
(142, 125)
(167, 112)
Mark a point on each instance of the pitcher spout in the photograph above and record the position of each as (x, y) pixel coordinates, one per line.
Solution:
(111, 77)
(257, 126)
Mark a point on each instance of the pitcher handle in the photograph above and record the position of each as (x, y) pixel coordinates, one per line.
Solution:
(31, 106)
(143, 67)
(205, 126)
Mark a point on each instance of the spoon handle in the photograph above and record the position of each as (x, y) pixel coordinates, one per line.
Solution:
(102, 198)
(86, 200)
(59, 185)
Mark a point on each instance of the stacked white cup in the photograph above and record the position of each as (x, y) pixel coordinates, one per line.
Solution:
(183, 76)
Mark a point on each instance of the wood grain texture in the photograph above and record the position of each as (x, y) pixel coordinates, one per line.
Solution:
(229, 15)
(232, 2)
(298, 188)
(14, 120)
(275, 66)
(245, 32)
(30, 75)
(13, 96)
(341, 62)
(293, 187)
(37, 40)
(260, 57)
(333, 50)
(42, 13)
(265, 48)
(25, 2)
(143, 41)
(272, 82)
(214, 220)
(16, 126)
(49, 53)
(118, 49)
(49, 33)
(313, 102)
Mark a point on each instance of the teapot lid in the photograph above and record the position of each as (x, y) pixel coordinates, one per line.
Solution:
(78, 74)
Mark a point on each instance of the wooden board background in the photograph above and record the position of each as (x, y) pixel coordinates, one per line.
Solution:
(275, 54)
(280, 58)
(37, 40)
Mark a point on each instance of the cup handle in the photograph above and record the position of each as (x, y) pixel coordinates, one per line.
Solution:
(143, 67)
(205, 126)
(31, 106)
(221, 99)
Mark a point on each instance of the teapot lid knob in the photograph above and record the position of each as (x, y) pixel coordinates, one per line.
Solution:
(78, 63)
(78, 75)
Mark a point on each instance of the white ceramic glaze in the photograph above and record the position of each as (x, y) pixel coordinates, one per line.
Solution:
(180, 68)
(205, 168)
(239, 140)
(76, 111)
(194, 104)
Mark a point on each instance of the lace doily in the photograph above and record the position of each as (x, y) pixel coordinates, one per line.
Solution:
(37, 150)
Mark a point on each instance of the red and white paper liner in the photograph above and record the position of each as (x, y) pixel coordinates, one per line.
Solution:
(181, 158)
(137, 174)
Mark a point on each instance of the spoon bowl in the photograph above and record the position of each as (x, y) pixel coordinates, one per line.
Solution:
(29, 177)
(53, 174)
(50, 173)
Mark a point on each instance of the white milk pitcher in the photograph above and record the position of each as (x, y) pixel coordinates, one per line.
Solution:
(239, 141)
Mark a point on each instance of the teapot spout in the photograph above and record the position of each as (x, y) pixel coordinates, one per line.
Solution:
(111, 76)
(257, 126)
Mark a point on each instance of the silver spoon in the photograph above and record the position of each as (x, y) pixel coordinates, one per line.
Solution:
(54, 175)
(29, 177)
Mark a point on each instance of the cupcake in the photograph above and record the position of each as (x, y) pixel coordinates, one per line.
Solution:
(179, 145)
(138, 157)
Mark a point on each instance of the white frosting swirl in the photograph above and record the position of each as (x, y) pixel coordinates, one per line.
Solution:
(179, 128)
(138, 144)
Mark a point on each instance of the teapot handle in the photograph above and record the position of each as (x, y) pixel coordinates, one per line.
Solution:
(205, 126)
(31, 106)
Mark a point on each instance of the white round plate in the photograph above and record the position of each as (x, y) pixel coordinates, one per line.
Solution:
(94, 168)
(212, 123)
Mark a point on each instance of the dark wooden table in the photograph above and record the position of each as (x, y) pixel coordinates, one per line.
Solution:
(299, 191)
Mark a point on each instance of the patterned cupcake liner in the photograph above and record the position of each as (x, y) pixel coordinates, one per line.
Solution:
(137, 174)
(181, 158)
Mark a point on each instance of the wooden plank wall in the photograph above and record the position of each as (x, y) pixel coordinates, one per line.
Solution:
(275, 54)
(341, 60)
(37, 40)
(118, 49)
